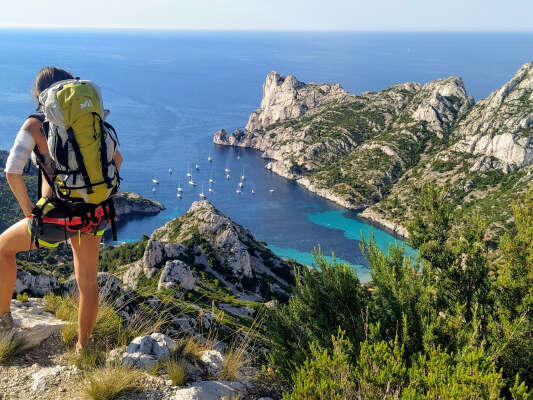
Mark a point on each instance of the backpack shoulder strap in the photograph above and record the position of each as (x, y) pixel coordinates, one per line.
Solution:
(40, 116)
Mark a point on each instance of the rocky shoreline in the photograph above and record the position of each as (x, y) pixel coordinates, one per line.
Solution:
(374, 151)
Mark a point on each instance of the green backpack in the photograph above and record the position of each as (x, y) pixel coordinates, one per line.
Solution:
(81, 144)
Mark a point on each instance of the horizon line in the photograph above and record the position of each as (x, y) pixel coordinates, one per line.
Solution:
(173, 29)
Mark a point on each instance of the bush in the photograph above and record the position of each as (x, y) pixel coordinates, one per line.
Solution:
(327, 375)
(324, 299)
(381, 372)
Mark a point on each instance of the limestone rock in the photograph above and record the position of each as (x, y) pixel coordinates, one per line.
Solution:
(176, 273)
(37, 285)
(41, 377)
(213, 360)
(220, 246)
(127, 204)
(34, 322)
(144, 351)
(501, 125)
(209, 390)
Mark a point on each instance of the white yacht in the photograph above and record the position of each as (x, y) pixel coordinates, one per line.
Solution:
(170, 171)
(155, 181)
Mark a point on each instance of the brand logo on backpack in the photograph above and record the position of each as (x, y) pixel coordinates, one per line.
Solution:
(86, 104)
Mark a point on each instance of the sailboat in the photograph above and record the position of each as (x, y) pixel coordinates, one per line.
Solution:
(238, 191)
(180, 189)
(154, 189)
(178, 195)
(211, 181)
(253, 191)
(170, 171)
(188, 172)
(227, 176)
(210, 190)
(192, 182)
(209, 158)
(241, 184)
(242, 175)
(238, 155)
(155, 181)
(271, 190)
(202, 195)
(196, 166)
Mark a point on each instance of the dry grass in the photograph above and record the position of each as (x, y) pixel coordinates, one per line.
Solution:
(88, 359)
(69, 334)
(110, 329)
(109, 383)
(10, 345)
(177, 372)
(238, 358)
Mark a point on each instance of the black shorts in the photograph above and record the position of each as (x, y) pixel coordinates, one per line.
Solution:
(58, 223)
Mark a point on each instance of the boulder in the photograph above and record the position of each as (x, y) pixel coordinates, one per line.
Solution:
(214, 360)
(209, 390)
(144, 351)
(34, 322)
(176, 273)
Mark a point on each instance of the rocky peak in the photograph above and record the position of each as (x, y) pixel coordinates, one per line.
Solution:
(440, 103)
(501, 126)
(206, 239)
(286, 97)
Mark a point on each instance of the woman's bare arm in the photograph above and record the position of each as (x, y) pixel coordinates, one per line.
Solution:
(117, 158)
(18, 187)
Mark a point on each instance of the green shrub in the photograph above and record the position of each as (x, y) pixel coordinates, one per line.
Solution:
(381, 372)
(326, 375)
(324, 299)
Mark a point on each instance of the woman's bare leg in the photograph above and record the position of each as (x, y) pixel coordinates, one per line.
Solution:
(86, 270)
(13, 240)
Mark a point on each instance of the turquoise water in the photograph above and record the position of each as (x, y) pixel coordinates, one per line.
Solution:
(307, 258)
(168, 93)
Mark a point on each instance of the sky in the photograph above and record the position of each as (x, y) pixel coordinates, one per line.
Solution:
(380, 15)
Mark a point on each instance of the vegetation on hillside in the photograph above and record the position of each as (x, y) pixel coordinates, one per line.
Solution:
(452, 324)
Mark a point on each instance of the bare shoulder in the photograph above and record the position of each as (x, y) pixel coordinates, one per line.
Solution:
(33, 125)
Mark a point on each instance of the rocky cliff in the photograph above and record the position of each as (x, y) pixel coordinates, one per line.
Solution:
(372, 151)
(204, 239)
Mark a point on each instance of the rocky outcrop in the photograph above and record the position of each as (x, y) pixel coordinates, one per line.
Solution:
(372, 152)
(127, 204)
(349, 149)
(286, 97)
(34, 324)
(501, 125)
(210, 390)
(144, 351)
(36, 285)
(205, 239)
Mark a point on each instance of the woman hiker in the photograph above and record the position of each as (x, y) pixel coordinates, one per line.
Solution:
(84, 242)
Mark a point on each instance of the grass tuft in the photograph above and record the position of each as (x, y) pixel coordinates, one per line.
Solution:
(177, 372)
(90, 358)
(10, 345)
(69, 334)
(109, 383)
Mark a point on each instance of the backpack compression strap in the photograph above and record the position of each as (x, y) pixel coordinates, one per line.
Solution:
(79, 160)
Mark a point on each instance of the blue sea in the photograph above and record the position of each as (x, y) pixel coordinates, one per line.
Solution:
(170, 91)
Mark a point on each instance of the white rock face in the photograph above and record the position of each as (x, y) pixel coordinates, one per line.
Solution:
(501, 125)
(37, 285)
(209, 390)
(282, 99)
(176, 273)
(213, 360)
(244, 311)
(34, 322)
(144, 351)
